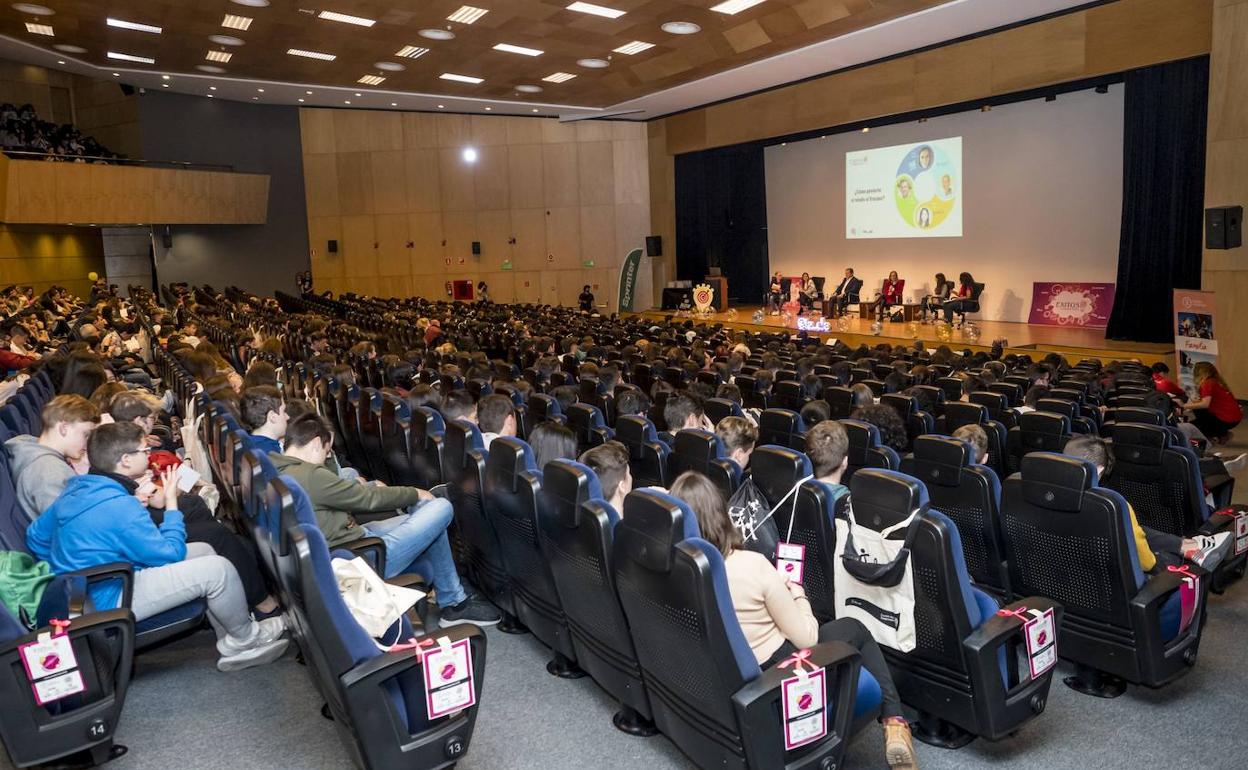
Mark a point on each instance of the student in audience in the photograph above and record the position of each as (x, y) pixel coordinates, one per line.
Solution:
(42, 466)
(1154, 548)
(815, 412)
(1217, 411)
(415, 540)
(1033, 394)
(552, 441)
(888, 422)
(682, 412)
(263, 411)
(978, 439)
(827, 446)
(1162, 381)
(632, 402)
(98, 520)
(776, 617)
(739, 436)
(610, 463)
(458, 405)
(496, 415)
(862, 396)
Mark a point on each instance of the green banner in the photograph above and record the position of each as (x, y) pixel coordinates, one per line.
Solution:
(628, 280)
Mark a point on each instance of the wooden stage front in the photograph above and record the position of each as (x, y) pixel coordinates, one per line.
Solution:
(1034, 340)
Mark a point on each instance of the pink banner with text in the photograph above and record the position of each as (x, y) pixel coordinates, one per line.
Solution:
(1071, 304)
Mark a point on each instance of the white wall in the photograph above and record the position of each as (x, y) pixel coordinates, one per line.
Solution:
(1042, 187)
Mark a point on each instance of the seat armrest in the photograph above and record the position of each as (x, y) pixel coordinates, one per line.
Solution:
(998, 628)
(373, 549)
(759, 709)
(381, 668)
(121, 619)
(1146, 605)
(984, 646)
(102, 573)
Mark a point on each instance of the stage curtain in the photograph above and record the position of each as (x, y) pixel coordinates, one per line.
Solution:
(1163, 193)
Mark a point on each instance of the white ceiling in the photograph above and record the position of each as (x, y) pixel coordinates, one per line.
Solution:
(953, 20)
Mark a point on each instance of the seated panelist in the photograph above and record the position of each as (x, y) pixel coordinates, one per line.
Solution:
(889, 295)
(846, 292)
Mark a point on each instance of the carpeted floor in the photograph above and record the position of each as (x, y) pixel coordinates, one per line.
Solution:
(182, 713)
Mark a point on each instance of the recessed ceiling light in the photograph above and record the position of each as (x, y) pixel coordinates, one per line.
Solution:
(221, 56)
(509, 48)
(461, 78)
(635, 47)
(226, 40)
(597, 10)
(260, 90)
(389, 66)
(734, 6)
(301, 101)
(60, 61)
(469, 155)
(164, 77)
(559, 77)
(234, 21)
(371, 80)
(312, 54)
(528, 89)
(441, 106)
(309, 93)
(535, 109)
(346, 101)
(411, 52)
(208, 95)
(489, 109)
(255, 98)
(134, 25)
(437, 34)
(69, 48)
(33, 10)
(130, 57)
(346, 18)
(164, 85)
(40, 29)
(467, 14)
(252, 3)
(394, 104)
(116, 74)
(359, 94)
(212, 88)
(210, 68)
(681, 28)
(594, 64)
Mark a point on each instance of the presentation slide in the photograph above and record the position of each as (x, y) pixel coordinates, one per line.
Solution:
(905, 191)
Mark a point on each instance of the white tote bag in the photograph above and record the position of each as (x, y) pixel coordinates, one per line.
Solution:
(374, 603)
(874, 579)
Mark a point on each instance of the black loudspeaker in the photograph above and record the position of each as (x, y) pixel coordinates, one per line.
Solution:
(167, 240)
(127, 89)
(1224, 227)
(476, 248)
(654, 245)
(333, 247)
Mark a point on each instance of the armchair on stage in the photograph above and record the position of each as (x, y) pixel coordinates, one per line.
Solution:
(791, 294)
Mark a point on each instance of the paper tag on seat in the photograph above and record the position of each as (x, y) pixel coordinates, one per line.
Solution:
(449, 684)
(1041, 634)
(1189, 600)
(804, 708)
(1241, 532)
(791, 561)
(52, 668)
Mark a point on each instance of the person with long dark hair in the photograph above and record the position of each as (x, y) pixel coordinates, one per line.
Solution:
(1217, 410)
(940, 293)
(961, 300)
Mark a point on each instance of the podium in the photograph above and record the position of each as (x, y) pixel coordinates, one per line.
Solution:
(720, 285)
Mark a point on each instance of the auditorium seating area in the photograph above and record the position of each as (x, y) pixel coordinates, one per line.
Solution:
(21, 131)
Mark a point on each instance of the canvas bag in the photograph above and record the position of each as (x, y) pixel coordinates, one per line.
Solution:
(375, 604)
(759, 530)
(873, 580)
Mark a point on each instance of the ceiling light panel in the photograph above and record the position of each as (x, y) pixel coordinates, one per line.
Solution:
(509, 48)
(130, 57)
(234, 21)
(346, 18)
(312, 54)
(634, 48)
(411, 52)
(559, 77)
(467, 14)
(134, 25)
(33, 10)
(40, 29)
(221, 56)
(596, 10)
(731, 7)
(461, 78)
(371, 80)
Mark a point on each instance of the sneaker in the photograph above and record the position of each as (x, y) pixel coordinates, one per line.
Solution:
(898, 745)
(262, 632)
(1210, 550)
(473, 610)
(253, 656)
(1236, 465)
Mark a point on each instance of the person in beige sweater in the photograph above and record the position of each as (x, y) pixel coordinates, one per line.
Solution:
(776, 617)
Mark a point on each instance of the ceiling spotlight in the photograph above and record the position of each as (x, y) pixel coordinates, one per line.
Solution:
(233, 21)
(226, 40)
(509, 48)
(467, 14)
(60, 61)
(437, 34)
(164, 77)
(131, 57)
(39, 29)
(866, 129)
(389, 66)
(528, 89)
(730, 7)
(33, 10)
(359, 94)
(594, 64)
(535, 109)
(346, 18)
(681, 28)
(164, 85)
(123, 24)
(208, 95)
(461, 78)
(210, 68)
(255, 98)
(469, 155)
(309, 93)
(371, 80)
(633, 48)
(221, 56)
(301, 101)
(441, 106)
(346, 101)
(69, 48)
(394, 104)
(312, 54)
(252, 3)
(260, 90)
(596, 10)
(411, 52)
(116, 74)
(212, 88)
(558, 77)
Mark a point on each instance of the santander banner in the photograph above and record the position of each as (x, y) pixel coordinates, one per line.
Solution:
(1071, 304)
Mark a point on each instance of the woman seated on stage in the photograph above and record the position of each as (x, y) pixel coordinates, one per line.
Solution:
(890, 295)
(961, 299)
(775, 293)
(807, 293)
(936, 300)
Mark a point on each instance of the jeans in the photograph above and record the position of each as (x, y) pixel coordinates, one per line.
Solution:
(416, 542)
(856, 635)
(201, 575)
(1166, 547)
(956, 306)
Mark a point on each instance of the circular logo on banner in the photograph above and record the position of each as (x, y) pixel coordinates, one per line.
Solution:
(1070, 305)
(926, 187)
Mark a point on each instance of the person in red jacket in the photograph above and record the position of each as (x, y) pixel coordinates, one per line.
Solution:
(10, 361)
(1163, 383)
(1217, 410)
(890, 295)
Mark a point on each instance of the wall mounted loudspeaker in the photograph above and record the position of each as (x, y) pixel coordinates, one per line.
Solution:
(1224, 227)
(476, 248)
(654, 245)
(333, 247)
(167, 239)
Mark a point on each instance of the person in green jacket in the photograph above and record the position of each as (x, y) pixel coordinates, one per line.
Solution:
(415, 539)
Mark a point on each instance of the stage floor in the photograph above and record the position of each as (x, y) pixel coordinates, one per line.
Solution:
(1073, 342)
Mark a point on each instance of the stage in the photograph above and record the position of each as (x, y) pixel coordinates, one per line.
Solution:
(1032, 339)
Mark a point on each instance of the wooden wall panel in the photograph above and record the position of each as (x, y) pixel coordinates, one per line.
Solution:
(454, 131)
(355, 183)
(459, 229)
(523, 131)
(425, 231)
(528, 287)
(954, 73)
(595, 167)
(560, 175)
(490, 178)
(320, 184)
(1038, 54)
(420, 130)
(456, 180)
(389, 179)
(563, 237)
(629, 171)
(322, 230)
(1114, 38)
(359, 253)
(525, 175)
(493, 231)
(529, 228)
(488, 131)
(598, 235)
(423, 179)
(316, 130)
(392, 251)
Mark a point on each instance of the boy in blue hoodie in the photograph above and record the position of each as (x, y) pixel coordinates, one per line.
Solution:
(98, 519)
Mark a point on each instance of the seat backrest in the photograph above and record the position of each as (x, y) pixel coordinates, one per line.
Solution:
(997, 406)
(865, 449)
(702, 451)
(959, 413)
(1037, 432)
(426, 433)
(544, 407)
(917, 421)
(970, 496)
(13, 522)
(840, 400)
(647, 455)
(789, 394)
(952, 387)
(1160, 480)
(1069, 540)
(776, 470)
(587, 422)
(782, 427)
(718, 408)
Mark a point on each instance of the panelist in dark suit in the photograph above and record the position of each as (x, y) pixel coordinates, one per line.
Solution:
(846, 292)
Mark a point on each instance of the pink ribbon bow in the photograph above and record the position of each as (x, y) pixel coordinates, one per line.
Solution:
(1006, 612)
(412, 644)
(799, 661)
(58, 626)
(1183, 570)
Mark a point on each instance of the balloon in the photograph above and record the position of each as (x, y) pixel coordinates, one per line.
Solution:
(943, 332)
(912, 329)
(758, 316)
(876, 327)
(93, 276)
(842, 324)
(731, 315)
(970, 333)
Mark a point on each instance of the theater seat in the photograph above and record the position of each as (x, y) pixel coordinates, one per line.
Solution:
(577, 530)
(543, 407)
(918, 422)
(776, 470)
(718, 408)
(702, 451)
(647, 455)
(587, 422)
(782, 427)
(427, 431)
(962, 677)
(959, 413)
(1070, 540)
(707, 692)
(513, 486)
(840, 400)
(1036, 432)
(865, 449)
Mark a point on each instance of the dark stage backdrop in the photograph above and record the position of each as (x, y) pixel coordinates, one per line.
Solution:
(1163, 193)
(721, 218)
